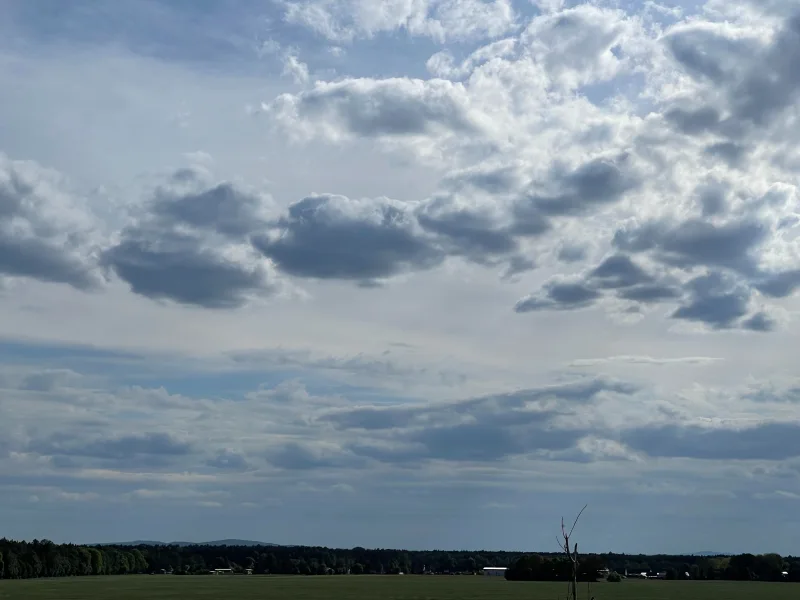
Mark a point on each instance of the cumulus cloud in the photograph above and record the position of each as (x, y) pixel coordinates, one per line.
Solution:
(475, 231)
(576, 45)
(716, 300)
(45, 233)
(190, 245)
(330, 236)
(559, 295)
(695, 242)
(571, 192)
(377, 108)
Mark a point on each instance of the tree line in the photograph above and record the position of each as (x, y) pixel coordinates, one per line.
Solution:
(742, 567)
(22, 560)
(26, 560)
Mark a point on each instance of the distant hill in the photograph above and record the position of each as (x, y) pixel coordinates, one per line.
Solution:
(708, 553)
(231, 542)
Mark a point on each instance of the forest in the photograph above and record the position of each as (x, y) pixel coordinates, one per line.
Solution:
(43, 558)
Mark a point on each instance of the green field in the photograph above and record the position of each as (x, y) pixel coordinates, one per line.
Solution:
(145, 587)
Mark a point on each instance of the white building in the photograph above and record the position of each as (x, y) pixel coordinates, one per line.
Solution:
(494, 571)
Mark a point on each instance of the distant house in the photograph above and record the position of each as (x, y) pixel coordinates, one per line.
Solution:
(222, 571)
(494, 571)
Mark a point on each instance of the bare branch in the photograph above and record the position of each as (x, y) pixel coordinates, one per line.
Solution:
(572, 556)
(576, 520)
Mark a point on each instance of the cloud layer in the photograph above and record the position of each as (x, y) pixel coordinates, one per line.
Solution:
(370, 261)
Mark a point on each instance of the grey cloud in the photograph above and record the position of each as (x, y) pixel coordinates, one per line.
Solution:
(693, 121)
(373, 418)
(516, 265)
(190, 245)
(334, 237)
(560, 296)
(44, 261)
(769, 393)
(692, 56)
(223, 207)
(485, 442)
(729, 251)
(598, 182)
(651, 293)
(295, 456)
(49, 380)
(619, 271)
(772, 82)
(767, 441)
(179, 268)
(386, 107)
(733, 154)
(570, 253)
(717, 300)
(759, 322)
(778, 285)
(698, 243)
(529, 221)
(707, 54)
(466, 231)
(527, 406)
(41, 236)
(713, 199)
(755, 82)
(479, 429)
(569, 193)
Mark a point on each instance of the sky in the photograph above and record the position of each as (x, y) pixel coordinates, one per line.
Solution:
(401, 273)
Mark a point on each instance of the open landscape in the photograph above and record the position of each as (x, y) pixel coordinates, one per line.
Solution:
(372, 587)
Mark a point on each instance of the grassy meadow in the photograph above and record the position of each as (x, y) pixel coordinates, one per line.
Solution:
(153, 587)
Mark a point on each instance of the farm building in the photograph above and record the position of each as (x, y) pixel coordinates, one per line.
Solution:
(494, 571)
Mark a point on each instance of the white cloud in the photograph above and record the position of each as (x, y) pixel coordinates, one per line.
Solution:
(442, 20)
(294, 67)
